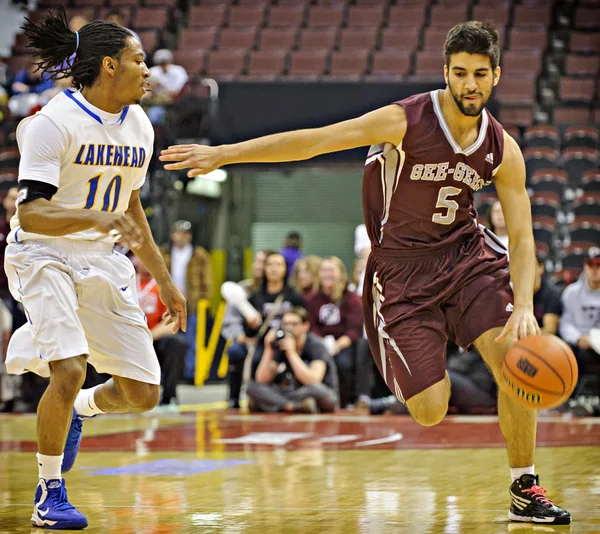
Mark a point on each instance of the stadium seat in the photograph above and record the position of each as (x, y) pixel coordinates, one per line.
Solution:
(587, 205)
(88, 13)
(365, 16)
(590, 183)
(349, 65)
(581, 136)
(446, 17)
(517, 90)
(225, 64)
(318, 38)
(237, 38)
(203, 16)
(588, 66)
(528, 39)
(525, 15)
(516, 115)
(358, 38)
(20, 44)
(191, 59)
(546, 204)
(308, 64)
(197, 39)
(584, 231)
(125, 9)
(286, 16)
(538, 157)
(9, 159)
(326, 16)
(544, 233)
(563, 115)
(159, 3)
(245, 16)
(278, 38)
(587, 18)
(400, 38)
(118, 4)
(150, 40)
(584, 42)
(549, 180)
(499, 14)
(390, 64)
(542, 135)
(429, 65)
(520, 62)
(434, 39)
(577, 90)
(150, 17)
(577, 161)
(267, 64)
(407, 16)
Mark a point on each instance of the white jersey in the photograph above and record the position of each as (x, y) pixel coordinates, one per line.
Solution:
(94, 158)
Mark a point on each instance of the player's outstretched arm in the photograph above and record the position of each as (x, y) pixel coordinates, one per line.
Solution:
(152, 259)
(384, 125)
(510, 185)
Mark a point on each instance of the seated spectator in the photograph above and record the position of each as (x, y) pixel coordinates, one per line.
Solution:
(336, 315)
(167, 80)
(547, 306)
(117, 17)
(232, 329)
(295, 373)
(292, 249)
(29, 90)
(305, 276)
(272, 299)
(170, 348)
(581, 314)
(358, 275)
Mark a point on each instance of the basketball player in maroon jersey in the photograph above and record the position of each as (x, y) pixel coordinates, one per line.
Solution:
(433, 273)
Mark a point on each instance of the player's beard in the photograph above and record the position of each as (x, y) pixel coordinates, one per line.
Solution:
(470, 110)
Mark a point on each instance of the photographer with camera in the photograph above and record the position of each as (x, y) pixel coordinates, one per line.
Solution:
(295, 373)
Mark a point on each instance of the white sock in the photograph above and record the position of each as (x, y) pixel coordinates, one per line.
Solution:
(516, 472)
(85, 403)
(49, 466)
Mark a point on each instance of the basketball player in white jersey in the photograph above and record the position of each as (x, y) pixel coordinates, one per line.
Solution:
(84, 158)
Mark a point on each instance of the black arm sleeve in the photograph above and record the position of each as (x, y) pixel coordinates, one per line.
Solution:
(33, 189)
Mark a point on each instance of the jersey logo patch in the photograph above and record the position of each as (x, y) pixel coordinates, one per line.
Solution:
(22, 195)
(490, 158)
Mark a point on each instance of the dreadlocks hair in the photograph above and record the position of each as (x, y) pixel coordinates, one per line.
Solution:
(473, 37)
(65, 54)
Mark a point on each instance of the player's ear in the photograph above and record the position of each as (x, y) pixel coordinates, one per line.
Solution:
(446, 74)
(497, 72)
(109, 65)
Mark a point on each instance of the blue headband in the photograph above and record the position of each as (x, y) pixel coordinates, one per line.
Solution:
(77, 44)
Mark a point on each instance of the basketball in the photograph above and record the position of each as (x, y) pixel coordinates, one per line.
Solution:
(540, 371)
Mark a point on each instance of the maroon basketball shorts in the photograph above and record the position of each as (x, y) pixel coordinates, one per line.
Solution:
(413, 305)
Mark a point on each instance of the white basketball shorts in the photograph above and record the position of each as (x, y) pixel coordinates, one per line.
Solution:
(80, 298)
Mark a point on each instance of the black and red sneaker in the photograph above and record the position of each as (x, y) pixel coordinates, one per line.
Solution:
(529, 503)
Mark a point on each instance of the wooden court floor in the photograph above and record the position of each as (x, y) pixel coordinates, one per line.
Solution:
(234, 473)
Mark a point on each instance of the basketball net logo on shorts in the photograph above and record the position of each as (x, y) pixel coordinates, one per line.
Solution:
(438, 172)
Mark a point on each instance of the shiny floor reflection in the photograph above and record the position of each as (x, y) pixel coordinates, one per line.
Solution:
(219, 472)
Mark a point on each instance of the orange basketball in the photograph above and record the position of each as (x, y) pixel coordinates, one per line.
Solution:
(540, 371)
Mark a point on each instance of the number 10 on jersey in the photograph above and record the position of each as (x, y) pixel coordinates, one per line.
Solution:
(112, 192)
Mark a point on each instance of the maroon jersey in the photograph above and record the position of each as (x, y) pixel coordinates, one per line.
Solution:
(420, 193)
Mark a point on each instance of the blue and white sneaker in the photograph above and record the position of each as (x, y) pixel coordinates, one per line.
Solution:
(73, 440)
(52, 509)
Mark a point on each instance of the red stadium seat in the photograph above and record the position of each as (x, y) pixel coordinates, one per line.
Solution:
(446, 17)
(400, 38)
(318, 38)
(326, 16)
(516, 115)
(192, 60)
(150, 40)
(226, 64)
(542, 135)
(349, 65)
(581, 136)
(525, 15)
(286, 16)
(517, 90)
(585, 42)
(267, 64)
(549, 180)
(150, 17)
(577, 161)
(571, 115)
(407, 16)
(125, 9)
(308, 63)
(358, 38)
(240, 38)
(89, 3)
(587, 18)
(21, 44)
(528, 39)
(429, 65)
(576, 89)
(244, 16)
(203, 16)
(435, 38)
(369, 16)
(391, 64)
(498, 14)
(278, 38)
(520, 62)
(204, 38)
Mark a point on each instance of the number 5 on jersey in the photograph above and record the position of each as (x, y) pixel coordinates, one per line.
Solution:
(450, 205)
(112, 192)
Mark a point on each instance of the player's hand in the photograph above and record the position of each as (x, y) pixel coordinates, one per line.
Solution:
(584, 342)
(176, 313)
(120, 226)
(522, 323)
(201, 159)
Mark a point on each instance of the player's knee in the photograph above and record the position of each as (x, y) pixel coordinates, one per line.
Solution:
(68, 375)
(430, 415)
(429, 407)
(144, 397)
